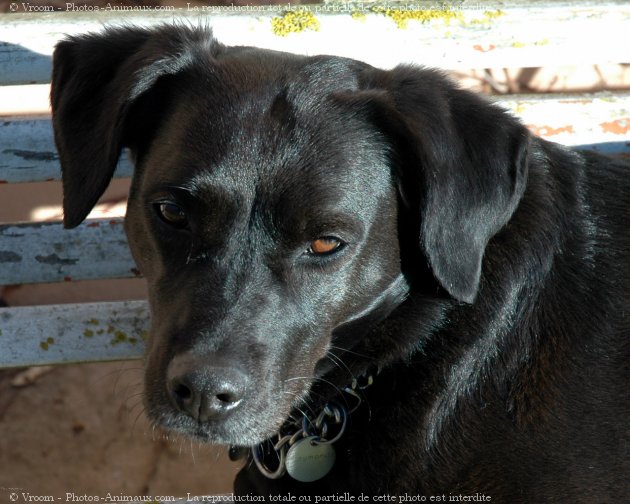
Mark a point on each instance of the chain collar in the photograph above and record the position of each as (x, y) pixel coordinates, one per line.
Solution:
(303, 447)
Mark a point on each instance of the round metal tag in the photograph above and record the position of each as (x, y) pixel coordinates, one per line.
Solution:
(309, 461)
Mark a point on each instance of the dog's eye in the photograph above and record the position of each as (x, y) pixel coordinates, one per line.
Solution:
(172, 214)
(324, 246)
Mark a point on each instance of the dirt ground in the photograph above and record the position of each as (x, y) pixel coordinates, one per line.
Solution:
(81, 429)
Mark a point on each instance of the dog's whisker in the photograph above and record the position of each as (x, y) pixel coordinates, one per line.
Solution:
(351, 352)
(135, 395)
(137, 404)
(295, 378)
(192, 451)
(339, 363)
(135, 421)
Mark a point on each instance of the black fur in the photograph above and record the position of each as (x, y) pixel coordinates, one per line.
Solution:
(485, 271)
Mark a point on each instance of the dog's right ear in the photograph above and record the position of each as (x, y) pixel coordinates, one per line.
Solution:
(95, 82)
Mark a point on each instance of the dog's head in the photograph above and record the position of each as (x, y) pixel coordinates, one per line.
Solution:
(276, 200)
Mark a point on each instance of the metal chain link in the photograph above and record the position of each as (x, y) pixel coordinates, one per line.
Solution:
(332, 415)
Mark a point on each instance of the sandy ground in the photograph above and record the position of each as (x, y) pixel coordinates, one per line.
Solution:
(81, 429)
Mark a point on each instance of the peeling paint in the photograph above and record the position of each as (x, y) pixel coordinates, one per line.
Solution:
(547, 131)
(32, 155)
(55, 260)
(617, 127)
(4, 229)
(488, 48)
(8, 256)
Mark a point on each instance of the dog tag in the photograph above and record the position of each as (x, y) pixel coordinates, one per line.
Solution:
(309, 461)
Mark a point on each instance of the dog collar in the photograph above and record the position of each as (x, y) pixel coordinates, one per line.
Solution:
(303, 447)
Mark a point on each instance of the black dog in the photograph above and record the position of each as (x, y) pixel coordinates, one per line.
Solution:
(375, 261)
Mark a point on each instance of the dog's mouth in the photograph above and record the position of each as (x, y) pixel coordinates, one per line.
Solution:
(227, 432)
(255, 417)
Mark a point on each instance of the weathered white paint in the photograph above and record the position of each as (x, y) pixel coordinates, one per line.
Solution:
(45, 252)
(28, 154)
(61, 334)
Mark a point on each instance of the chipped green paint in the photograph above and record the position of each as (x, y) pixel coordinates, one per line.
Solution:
(119, 337)
(487, 18)
(93, 321)
(445, 14)
(45, 344)
(88, 334)
(538, 43)
(294, 21)
(402, 16)
(122, 337)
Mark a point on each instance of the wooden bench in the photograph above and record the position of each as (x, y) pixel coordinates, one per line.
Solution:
(515, 35)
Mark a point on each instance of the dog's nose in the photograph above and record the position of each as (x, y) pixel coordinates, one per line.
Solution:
(207, 393)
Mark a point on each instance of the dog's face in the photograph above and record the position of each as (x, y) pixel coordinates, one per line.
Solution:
(276, 200)
(257, 241)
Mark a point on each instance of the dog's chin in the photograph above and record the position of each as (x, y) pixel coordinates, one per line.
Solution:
(238, 430)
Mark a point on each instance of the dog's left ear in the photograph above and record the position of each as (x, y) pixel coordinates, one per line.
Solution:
(463, 166)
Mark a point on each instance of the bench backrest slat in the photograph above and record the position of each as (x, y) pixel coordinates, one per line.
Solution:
(28, 152)
(45, 252)
(62, 334)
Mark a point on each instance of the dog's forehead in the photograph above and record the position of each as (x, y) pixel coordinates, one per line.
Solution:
(261, 125)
